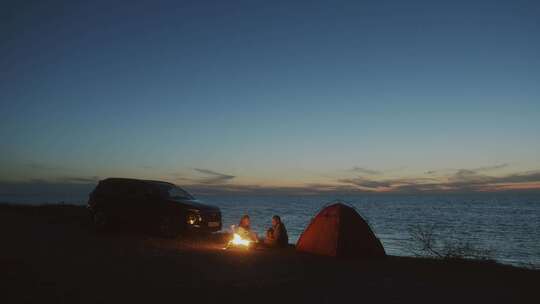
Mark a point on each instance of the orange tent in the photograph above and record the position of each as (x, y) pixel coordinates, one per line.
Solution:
(339, 231)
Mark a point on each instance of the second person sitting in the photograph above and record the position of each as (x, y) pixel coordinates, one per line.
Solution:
(277, 236)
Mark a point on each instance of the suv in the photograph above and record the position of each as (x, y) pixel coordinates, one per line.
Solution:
(161, 206)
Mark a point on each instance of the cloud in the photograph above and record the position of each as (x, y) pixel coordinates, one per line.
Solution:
(473, 178)
(366, 183)
(390, 184)
(260, 190)
(491, 168)
(467, 176)
(58, 180)
(363, 170)
(463, 180)
(78, 179)
(460, 181)
(213, 177)
(474, 170)
(527, 177)
(202, 177)
(210, 182)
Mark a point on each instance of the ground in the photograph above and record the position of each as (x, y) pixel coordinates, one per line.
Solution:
(52, 255)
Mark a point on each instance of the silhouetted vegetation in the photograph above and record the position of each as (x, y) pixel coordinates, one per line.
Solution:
(426, 242)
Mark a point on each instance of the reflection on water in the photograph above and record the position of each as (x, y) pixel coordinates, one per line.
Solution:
(508, 224)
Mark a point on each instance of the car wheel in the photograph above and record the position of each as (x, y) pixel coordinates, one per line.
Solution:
(167, 227)
(100, 220)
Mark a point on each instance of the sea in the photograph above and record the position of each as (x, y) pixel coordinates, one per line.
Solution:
(506, 225)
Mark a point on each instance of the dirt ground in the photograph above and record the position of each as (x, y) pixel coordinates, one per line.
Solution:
(52, 255)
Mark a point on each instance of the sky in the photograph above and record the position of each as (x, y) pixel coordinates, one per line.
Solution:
(294, 96)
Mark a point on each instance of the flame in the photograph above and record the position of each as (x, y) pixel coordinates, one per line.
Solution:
(237, 240)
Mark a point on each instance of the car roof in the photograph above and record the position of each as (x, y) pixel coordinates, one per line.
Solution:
(121, 180)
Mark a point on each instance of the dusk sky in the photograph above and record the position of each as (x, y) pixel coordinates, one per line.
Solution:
(273, 95)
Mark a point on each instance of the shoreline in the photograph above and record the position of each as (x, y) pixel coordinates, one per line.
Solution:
(50, 254)
(392, 248)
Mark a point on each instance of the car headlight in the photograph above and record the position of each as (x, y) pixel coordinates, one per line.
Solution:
(194, 219)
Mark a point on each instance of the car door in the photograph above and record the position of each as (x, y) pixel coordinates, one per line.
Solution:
(112, 197)
(121, 199)
(141, 202)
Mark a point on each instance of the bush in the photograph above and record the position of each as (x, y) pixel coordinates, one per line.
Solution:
(426, 242)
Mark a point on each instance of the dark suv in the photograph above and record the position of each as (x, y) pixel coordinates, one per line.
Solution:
(161, 206)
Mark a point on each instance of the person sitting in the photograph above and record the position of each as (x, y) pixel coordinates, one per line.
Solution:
(244, 229)
(276, 236)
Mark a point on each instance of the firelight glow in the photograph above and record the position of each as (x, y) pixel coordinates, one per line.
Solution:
(237, 240)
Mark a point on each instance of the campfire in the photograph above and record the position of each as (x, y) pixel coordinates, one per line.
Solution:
(238, 242)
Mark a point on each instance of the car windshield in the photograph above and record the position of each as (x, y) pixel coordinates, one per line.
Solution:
(174, 192)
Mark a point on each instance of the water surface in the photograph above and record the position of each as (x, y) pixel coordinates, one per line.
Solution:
(506, 224)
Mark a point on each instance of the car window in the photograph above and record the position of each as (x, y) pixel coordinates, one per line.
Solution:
(176, 192)
(171, 191)
(107, 188)
(126, 189)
